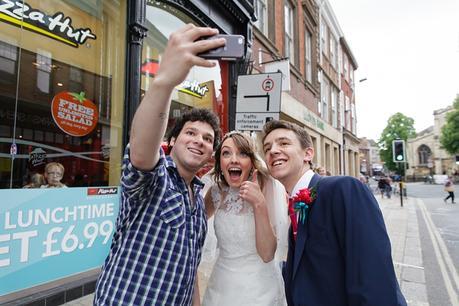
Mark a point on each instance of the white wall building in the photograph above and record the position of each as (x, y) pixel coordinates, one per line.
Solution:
(424, 153)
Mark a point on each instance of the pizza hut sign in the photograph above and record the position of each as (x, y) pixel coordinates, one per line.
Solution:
(74, 114)
(37, 157)
(56, 26)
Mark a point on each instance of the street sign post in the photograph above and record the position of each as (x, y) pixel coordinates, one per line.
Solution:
(399, 156)
(258, 100)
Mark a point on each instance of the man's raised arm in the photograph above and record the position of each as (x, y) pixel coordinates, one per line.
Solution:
(150, 120)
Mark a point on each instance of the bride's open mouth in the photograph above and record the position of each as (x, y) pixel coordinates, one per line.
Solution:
(234, 174)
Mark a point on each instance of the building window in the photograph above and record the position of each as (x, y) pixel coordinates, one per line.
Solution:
(262, 14)
(289, 49)
(316, 150)
(333, 53)
(328, 164)
(43, 64)
(323, 40)
(351, 76)
(308, 55)
(8, 68)
(334, 98)
(319, 106)
(56, 120)
(424, 154)
(340, 59)
(325, 93)
(345, 67)
(341, 108)
(76, 79)
(347, 112)
(8, 57)
(202, 86)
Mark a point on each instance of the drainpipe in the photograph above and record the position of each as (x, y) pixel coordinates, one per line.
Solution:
(135, 35)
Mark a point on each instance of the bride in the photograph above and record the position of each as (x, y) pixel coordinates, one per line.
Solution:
(250, 225)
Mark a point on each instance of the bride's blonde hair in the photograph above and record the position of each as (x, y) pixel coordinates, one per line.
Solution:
(245, 145)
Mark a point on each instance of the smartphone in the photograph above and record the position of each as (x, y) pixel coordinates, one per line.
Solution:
(232, 50)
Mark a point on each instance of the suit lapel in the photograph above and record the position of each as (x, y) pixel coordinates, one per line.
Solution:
(302, 233)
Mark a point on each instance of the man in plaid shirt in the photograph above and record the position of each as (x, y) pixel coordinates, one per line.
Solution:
(161, 226)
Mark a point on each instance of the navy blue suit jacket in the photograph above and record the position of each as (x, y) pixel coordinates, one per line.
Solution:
(342, 254)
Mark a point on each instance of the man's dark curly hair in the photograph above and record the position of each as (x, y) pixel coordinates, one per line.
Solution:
(196, 114)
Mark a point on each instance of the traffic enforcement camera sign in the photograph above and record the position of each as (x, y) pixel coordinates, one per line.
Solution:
(258, 100)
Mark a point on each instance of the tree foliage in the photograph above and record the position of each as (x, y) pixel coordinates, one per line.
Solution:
(449, 137)
(398, 126)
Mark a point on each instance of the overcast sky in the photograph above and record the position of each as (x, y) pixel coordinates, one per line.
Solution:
(409, 52)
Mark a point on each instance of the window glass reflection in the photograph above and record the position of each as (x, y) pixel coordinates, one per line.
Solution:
(62, 98)
(201, 88)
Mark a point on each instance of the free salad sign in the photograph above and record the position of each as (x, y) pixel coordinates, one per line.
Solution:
(74, 114)
(49, 234)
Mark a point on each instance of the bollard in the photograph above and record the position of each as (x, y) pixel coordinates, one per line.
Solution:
(401, 193)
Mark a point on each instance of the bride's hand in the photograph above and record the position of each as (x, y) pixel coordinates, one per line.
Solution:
(250, 192)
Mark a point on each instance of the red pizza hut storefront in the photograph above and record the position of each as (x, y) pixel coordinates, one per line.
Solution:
(71, 76)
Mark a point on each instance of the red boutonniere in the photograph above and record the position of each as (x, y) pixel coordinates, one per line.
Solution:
(303, 201)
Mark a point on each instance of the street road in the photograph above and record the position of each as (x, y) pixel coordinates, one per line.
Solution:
(440, 256)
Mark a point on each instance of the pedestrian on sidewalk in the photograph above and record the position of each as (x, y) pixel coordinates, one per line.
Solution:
(388, 188)
(382, 186)
(385, 187)
(449, 188)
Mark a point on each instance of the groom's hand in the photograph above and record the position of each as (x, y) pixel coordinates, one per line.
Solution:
(250, 191)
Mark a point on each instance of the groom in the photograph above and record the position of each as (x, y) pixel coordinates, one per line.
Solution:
(339, 251)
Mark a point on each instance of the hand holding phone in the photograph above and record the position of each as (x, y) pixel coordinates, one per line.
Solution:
(232, 50)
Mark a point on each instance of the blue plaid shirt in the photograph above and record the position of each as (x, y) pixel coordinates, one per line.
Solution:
(157, 245)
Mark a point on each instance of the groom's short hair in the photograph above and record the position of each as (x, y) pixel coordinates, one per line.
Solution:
(301, 133)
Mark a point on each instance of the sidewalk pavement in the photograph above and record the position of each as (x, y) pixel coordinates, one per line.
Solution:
(402, 227)
(403, 230)
(83, 301)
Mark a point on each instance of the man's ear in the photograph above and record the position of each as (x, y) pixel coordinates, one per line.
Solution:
(170, 146)
(308, 155)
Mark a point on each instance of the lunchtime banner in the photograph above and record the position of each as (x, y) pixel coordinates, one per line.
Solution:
(49, 234)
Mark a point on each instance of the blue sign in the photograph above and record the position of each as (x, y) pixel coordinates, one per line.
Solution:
(49, 234)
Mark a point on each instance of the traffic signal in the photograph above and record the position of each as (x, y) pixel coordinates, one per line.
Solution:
(398, 151)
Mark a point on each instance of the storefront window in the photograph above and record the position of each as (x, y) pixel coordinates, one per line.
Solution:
(202, 87)
(62, 91)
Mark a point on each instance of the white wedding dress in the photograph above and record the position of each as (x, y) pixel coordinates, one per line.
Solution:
(240, 277)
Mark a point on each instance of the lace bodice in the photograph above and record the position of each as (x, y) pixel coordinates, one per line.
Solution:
(228, 199)
(239, 276)
(234, 223)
